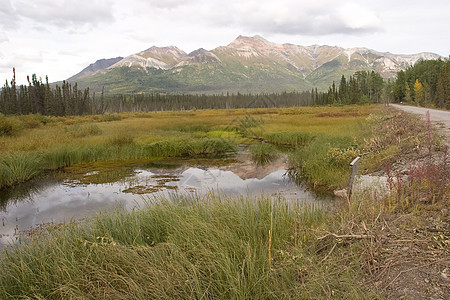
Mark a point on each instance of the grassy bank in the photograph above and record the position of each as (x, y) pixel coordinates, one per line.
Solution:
(212, 248)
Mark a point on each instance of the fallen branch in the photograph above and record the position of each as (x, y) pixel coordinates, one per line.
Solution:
(347, 236)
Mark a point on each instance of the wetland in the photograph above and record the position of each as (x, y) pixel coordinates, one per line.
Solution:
(213, 204)
(57, 169)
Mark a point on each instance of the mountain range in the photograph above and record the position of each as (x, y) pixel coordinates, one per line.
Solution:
(247, 64)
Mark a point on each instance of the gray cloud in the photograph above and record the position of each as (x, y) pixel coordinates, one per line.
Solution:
(3, 37)
(67, 13)
(312, 27)
(8, 17)
(295, 17)
(169, 4)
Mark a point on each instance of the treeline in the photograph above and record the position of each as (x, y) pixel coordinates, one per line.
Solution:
(40, 98)
(158, 102)
(362, 87)
(427, 83)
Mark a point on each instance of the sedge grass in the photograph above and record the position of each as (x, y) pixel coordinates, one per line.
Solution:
(263, 153)
(213, 248)
(18, 167)
(289, 138)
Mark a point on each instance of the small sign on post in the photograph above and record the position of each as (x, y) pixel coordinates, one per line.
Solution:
(354, 164)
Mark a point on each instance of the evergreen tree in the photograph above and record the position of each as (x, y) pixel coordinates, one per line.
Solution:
(443, 87)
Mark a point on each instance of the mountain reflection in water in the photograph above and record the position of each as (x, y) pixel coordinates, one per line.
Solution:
(64, 200)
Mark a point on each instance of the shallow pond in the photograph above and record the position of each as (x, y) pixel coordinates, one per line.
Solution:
(83, 191)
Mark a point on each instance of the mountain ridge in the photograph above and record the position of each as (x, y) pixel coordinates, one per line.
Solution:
(99, 65)
(247, 64)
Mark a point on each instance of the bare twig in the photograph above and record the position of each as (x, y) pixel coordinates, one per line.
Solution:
(329, 253)
(347, 236)
(303, 283)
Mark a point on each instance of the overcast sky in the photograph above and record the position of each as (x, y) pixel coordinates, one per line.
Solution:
(59, 38)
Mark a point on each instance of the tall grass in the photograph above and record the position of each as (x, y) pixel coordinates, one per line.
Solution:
(8, 126)
(289, 138)
(18, 167)
(263, 153)
(191, 148)
(213, 248)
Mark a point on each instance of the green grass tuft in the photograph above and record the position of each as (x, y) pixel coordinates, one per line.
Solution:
(263, 153)
(18, 167)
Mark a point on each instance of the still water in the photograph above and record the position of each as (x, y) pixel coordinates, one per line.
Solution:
(70, 197)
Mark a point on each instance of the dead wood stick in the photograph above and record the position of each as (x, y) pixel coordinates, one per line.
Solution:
(347, 236)
(329, 253)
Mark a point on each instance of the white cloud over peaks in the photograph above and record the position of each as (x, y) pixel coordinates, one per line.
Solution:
(321, 17)
(66, 13)
(357, 17)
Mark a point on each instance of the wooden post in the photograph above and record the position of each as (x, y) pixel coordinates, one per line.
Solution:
(354, 164)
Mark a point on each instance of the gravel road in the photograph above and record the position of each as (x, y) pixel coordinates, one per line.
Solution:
(440, 118)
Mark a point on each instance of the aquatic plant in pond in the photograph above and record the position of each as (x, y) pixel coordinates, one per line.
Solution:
(263, 153)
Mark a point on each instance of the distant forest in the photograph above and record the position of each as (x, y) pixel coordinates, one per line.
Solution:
(427, 83)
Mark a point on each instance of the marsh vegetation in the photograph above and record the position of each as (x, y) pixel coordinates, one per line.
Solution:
(33, 144)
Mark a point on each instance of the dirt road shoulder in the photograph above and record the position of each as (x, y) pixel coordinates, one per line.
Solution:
(439, 118)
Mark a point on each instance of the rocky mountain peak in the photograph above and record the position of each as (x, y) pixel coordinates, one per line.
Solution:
(163, 51)
(256, 42)
(197, 52)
